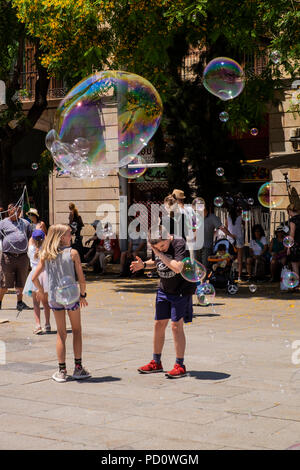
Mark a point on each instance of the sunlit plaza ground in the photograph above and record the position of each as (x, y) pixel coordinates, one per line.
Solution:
(242, 391)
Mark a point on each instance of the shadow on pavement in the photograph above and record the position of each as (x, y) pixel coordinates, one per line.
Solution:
(208, 375)
(108, 378)
(206, 315)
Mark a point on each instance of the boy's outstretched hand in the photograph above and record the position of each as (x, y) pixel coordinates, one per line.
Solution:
(136, 265)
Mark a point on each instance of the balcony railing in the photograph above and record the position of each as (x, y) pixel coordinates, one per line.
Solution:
(27, 81)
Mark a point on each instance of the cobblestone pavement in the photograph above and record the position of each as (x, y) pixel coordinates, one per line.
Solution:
(242, 391)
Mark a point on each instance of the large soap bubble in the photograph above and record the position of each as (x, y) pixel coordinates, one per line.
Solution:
(103, 121)
(224, 78)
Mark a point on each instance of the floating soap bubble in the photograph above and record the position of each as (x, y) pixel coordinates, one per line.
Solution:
(133, 173)
(68, 292)
(205, 293)
(270, 195)
(254, 131)
(50, 138)
(194, 221)
(192, 270)
(224, 78)
(252, 288)
(275, 57)
(224, 116)
(34, 166)
(220, 171)
(288, 241)
(246, 216)
(104, 120)
(218, 201)
(290, 279)
(250, 201)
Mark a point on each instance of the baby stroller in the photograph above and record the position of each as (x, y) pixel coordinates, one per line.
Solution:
(223, 277)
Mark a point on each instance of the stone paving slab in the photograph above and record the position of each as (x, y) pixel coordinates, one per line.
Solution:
(242, 390)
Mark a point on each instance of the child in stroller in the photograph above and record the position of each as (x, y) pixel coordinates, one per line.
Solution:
(221, 269)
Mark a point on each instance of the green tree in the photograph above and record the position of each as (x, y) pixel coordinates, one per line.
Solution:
(151, 38)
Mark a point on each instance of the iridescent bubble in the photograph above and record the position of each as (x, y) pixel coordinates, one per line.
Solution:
(68, 292)
(106, 119)
(288, 241)
(224, 78)
(290, 279)
(50, 138)
(246, 216)
(205, 293)
(270, 195)
(275, 57)
(220, 171)
(252, 288)
(192, 270)
(218, 201)
(34, 166)
(254, 131)
(224, 116)
(250, 201)
(194, 221)
(132, 173)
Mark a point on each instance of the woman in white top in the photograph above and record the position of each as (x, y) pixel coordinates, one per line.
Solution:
(235, 225)
(258, 247)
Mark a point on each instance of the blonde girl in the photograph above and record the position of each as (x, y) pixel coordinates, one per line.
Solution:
(62, 265)
(34, 247)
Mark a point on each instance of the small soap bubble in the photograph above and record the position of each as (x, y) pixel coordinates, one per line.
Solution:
(34, 166)
(270, 195)
(205, 293)
(192, 270)
(224, 78)
(275, 57)
(224, 116)
(252, 288)
(133, 173)
(220, 171)
(246, 216)
(254, 131)
(288, 241)
(218, 201)
(290, 279)
(250, 201)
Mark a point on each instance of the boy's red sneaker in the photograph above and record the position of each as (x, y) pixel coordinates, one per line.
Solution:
(177, 372)
(151, 368)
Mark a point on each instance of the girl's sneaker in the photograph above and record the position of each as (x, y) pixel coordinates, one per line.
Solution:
(38, 331)
(80, 373)
(177, 372)
(47, 329)
(60, 376)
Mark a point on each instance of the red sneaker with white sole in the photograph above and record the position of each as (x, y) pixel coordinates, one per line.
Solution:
(177, 372)
(151, 368)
